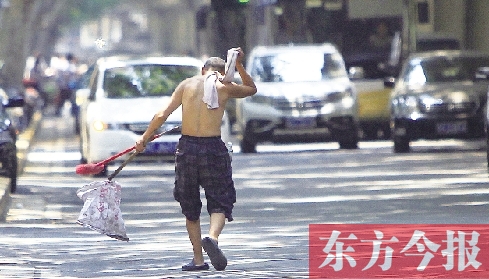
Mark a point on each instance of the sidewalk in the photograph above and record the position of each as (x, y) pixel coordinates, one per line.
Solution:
(23, 144)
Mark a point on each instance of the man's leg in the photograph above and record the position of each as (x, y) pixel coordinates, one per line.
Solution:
(194, 233)
(217, 222)
(210, 244)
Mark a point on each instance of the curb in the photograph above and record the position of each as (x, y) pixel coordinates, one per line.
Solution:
(23, 143)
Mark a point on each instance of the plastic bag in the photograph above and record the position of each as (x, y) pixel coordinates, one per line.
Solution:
(101, 211)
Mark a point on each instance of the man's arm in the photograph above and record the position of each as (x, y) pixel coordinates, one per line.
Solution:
(248, 88)
(160, 117)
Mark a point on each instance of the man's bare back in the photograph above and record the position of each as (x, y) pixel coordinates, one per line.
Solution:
(197, 119)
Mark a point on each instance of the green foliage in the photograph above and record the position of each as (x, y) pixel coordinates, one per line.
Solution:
(145, 80)
(82, 10)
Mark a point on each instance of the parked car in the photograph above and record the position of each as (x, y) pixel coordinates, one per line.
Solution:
(304, 94)
(439, 96)
(8, 138)
(123, 96)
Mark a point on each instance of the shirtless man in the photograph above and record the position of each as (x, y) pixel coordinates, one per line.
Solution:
(202, 158)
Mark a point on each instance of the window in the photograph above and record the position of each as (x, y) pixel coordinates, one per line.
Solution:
(145, 80)
(298, 67)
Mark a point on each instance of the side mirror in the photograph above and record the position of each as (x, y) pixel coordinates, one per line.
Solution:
(482, 73)
(14, 102)
(389, 82)
(356, 73)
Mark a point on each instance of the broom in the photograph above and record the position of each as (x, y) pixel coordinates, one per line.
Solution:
(92, 169)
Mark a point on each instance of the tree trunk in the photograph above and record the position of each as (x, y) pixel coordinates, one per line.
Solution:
(292, 22)
(26, 27)
(13, 52)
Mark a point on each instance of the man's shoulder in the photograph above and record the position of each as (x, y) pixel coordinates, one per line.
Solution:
(193, 79)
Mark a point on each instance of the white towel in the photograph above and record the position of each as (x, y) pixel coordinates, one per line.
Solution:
(210, 89)
(230, 65)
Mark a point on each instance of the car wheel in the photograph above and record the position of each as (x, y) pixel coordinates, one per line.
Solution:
(247, 146)
(13, 183)
(401, 145)
(352, 144)
(350, 141)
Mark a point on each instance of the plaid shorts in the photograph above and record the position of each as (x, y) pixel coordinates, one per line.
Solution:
(203, 161)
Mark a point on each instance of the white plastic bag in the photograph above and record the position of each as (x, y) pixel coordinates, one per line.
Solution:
(101, 211)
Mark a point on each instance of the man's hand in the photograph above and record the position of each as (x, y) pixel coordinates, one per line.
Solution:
(240, 55)
(140, 145)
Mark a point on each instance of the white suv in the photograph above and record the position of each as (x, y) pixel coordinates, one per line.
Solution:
(304, 94)
(123, 96)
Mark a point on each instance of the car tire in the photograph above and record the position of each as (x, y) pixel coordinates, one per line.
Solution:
(13, 183)
(13, 177)
(401, 145)
(348, 144)
(247, 146)
(350, 139)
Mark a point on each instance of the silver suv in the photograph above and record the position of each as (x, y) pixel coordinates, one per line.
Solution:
(304, 94)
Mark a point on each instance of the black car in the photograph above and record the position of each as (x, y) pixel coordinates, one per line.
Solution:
(8, 137)
(438, 96)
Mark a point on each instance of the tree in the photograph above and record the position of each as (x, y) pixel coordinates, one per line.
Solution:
(292, 23)
(29, 26)
(231, 24)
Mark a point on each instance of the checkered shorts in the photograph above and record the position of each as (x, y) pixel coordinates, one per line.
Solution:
(203, 161)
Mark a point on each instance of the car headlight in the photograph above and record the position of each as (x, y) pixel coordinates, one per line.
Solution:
(100, 126)
(346, 98)
(429, 101)
(405, 105)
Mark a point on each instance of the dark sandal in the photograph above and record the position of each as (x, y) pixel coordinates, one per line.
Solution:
(218, 260)
(192, 267)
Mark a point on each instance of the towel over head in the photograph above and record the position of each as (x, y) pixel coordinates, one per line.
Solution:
(210, 89)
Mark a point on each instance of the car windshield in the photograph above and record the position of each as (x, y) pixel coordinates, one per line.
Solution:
(297, 67)
(145, 80)
(445, 69)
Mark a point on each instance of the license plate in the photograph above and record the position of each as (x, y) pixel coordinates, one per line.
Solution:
(300, 123)
(451, 128)
(160, 147)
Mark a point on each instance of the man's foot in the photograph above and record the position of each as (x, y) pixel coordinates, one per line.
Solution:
(218, 260)
(192, 267)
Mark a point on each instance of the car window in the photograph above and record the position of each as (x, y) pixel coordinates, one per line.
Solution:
(84, 80)
(445, 69)
(298, 66)
(93, 83)
(145, 80)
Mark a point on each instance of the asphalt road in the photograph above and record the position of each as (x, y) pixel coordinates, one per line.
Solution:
(281, 190)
